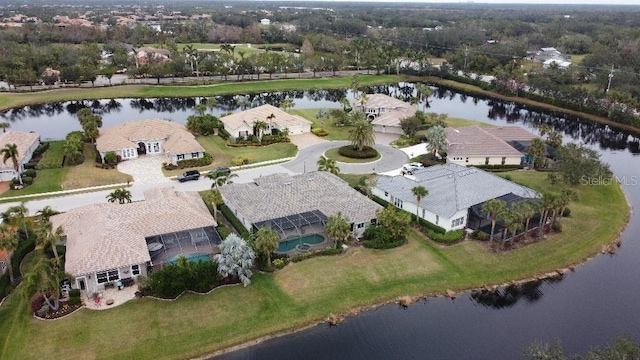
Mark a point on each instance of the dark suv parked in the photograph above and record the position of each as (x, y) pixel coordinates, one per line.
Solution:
(219, 171)
(189, 175)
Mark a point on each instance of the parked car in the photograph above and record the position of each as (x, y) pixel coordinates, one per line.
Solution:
(219, 171)
(189, 175)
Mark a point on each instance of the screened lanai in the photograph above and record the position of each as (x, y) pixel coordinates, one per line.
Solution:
(164, 247)
(296, 224)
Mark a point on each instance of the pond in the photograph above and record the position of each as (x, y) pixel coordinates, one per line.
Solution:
(588, 307)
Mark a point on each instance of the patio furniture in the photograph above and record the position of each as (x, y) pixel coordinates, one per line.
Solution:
(154, 246)
(109, 301)
(127, 282)
(96, 302)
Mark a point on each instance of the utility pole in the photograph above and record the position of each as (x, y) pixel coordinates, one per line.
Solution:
(610, 77)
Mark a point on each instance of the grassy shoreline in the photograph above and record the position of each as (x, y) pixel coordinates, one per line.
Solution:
(305, 293)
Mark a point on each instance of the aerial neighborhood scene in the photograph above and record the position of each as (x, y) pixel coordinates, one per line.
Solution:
(319, 180)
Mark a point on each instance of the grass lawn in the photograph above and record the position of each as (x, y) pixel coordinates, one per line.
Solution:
(54, 156)
(9, 100)
(46, 181)
(86, 174)
(333, 154)
(335, 132)
(308, 291)
(223, 154)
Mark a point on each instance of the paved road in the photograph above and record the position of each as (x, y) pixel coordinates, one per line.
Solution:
(391, 159)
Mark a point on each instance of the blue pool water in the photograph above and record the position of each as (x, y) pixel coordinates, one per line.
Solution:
(291, 243)
(195, 257)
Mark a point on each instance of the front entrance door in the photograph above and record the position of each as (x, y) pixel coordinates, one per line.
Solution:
(82, 283)
(142, 148)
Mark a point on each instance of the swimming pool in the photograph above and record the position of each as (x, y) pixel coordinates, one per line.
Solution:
(195, 257)
(289, 244)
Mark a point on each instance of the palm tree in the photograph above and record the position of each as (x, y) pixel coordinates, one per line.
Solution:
(221, 180)
(262, 125)
(322, 116)
(326, 164)
(548, 202)
(17, 215)
(287, 104)
(566, 196)
(48, 237)
(362, 135)
(338, 227)
(215, 198)
(120, 195)
(4, 126)
(528, 208)
(10, 151)
(9, 241)
(267, 242)
(437, 139)
(423, 93)
(494, 208)
(419, 192)
(46, 213)
(44, 279)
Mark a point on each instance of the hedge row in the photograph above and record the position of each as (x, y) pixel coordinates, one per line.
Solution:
(203, 161)
(224, 134)
(373, 244)
(429, 226)
(230, 216)
(319, 132)
(310, 254)
(450, 237)
(266, 140)
(366, 153)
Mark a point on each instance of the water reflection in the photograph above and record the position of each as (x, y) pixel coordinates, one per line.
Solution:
(508, 296)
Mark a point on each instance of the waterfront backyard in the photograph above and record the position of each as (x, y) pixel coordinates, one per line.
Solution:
(308, 291)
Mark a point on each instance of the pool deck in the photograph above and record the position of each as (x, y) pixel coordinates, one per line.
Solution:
(308, 230)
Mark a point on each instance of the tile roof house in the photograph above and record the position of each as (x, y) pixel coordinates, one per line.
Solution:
(475, 145)
(386, 112)
(241, 124)
(280, 195)
(26, 144)
(453, 190)
(154, 136)
(108, 242)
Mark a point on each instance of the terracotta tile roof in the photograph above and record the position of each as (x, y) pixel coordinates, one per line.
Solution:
(260, 113)
(474, 141)
(278, 195)
(106, 236)
(127, 135)
(22, 139)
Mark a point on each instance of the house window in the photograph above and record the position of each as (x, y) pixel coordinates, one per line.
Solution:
(486, 161)
(149, 148)
(423, 212)
(135, 269)
(437, 219)
(504, 160)
(113, 275)
(467, 160)
(156, 147)
(180, 157)
(386, 194)
(195, 155)
(101, 277)
(360, 226)
(397, 203)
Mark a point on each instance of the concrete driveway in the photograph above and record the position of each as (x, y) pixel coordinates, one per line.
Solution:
(146, 169)
(305, 140)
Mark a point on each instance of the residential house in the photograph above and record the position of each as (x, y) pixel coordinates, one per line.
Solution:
(547, 53)
(145, 55)
(110, 242)
(475, 145)
(385, 112)
(265, 22)
(562, 64)
(453, 190)
(154, 136)
(26, 145)
(242, 124)
(280, 195)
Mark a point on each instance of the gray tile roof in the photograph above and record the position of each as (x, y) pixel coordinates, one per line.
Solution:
(475, 141)
(279, 195)
(106, 236)
(451, 188)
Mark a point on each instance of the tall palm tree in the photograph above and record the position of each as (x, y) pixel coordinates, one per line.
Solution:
(287, 104)
(120, 195)
(221, 180)
(494, 208)
(423, 93)
(46, 213)
(326, 164)
(419, 192)
(44, 279)
(48, 237)
(528, 208)
(361, 135)
(4, 126)
(267, 242)
(10, 151)
(260, 126)
(566, 196)
(548, 202)
(338, 227)
(17, 215)
(9, 241)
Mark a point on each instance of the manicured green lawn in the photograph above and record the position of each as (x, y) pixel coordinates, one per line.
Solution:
(54, 156)
(46, 181)
(308, 291)
(335, 132)
(87, 174)
(335, 155)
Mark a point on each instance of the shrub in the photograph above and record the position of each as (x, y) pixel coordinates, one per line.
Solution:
(224, 134)
(5, 285)
(74, 300)
(172, 280)
(37, 303)
(480, 235)
(169, 166)
(223, 231)
(30, 173)
(310, 254)
(427, 226)
(376, 233)
(43, 310)
(566, 212)
(41, 149)
(228, 214)
(74, 293)
(350, 152)
(450, 237)
(27, 180)
(203, 161)
(319, 132)
(241, 160)
(280, 263)
(111, 158)
(557, 226)
(30, 165)
(373, 244)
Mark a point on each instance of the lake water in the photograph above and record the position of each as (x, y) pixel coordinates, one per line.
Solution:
(585, 308)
